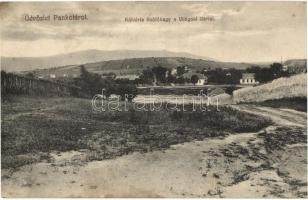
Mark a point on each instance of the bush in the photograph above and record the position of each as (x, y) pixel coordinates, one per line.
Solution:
(126, 91)
(93, 84)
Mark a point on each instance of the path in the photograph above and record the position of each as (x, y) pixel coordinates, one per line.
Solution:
(284, 117)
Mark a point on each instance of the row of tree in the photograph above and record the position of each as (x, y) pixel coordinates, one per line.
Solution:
(162, 75)
(264, 75)
(158, 75)
(92, 83)
(232, 76)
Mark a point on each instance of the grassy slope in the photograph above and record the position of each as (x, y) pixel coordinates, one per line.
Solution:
(33, 127)
(296, 103)
(294, 86)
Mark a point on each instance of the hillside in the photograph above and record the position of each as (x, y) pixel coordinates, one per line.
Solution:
(294, 86)
(296, 65)
(136, 65)
(81, 57)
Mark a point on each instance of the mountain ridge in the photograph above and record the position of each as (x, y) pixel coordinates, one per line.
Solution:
(83, 57)
(137, 65)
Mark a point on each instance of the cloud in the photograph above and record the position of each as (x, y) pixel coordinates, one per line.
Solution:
(249, 24)
(20, 35)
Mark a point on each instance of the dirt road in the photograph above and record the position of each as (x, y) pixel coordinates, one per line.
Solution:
(284, 117)
(238, 165)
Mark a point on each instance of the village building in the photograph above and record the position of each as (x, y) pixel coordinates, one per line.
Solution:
(285, 68)
(201, 81)
(201, 78)
(130, 77)
(173, 71)
(248, 78)
(186, 69)
(109, 75)
(52, 75)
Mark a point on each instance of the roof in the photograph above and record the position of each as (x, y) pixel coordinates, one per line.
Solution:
(216, 91)
(248, 76)
(127, 76)
(188, 75)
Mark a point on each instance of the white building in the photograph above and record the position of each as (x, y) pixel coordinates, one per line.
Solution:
(52, 75)
(201, 81)
(130, 77)
(173, 71)
(285, 68)
(201, 78)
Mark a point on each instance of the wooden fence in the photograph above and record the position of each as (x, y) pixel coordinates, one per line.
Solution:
(16, 84)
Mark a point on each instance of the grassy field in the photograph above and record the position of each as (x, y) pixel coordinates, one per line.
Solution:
(286, 87)
(33, 127)
(296, 103)
(181, 90)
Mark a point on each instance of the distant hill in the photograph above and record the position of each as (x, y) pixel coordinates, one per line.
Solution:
(296, 65)
(137, 65)
(82, 57)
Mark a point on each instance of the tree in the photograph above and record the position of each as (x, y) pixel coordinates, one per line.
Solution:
(147, 76)
(232, 76)
(180, 70)
(194, 79)
(127, 91)
(265, 75)
(229, 90)
(92, 84)
(84, 74)
(276, 69)
(217, 76)
(160, 73)
(180, 80)
(170, 77)
(30, 75)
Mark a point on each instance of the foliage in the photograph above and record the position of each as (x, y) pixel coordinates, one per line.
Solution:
(170, 77)
(264, 75)
(224, 76)
(126, 91)
(160, 73)
(30, 75)
(147, 77)
(12, 83)
(92, 84)
(194, 79)
(229, 90)
(180, 70)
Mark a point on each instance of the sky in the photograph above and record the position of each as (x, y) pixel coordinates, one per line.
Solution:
(240, 31)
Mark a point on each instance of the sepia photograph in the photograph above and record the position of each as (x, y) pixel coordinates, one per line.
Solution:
(153, 99)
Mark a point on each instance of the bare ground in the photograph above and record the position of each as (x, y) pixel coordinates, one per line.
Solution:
(269, 163)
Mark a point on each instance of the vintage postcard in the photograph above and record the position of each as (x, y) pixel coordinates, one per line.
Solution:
(154, 99)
